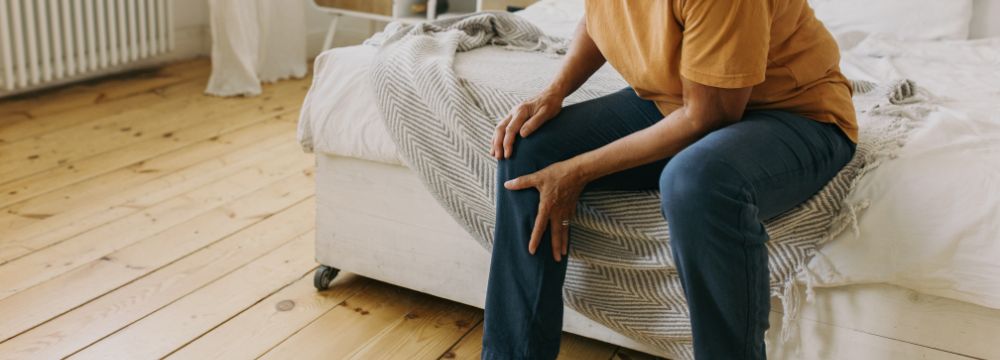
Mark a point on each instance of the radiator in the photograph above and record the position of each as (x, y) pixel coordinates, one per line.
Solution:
(52, 41)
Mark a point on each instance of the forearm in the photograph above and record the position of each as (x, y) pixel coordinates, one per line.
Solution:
(664, 139)
(705, 109)
(583, 59)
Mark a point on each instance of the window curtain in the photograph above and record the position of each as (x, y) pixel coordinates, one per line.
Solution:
(255, 41)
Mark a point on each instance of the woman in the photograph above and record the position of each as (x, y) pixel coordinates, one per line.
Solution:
(737, 112)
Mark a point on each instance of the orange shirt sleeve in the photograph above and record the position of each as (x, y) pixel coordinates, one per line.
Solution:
(725, 42)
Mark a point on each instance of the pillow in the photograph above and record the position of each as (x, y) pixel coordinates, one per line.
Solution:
(906, 19)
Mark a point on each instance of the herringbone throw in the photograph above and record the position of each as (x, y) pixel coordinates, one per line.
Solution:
(620, 269)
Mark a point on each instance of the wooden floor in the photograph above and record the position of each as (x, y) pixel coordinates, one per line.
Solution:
(141, 219)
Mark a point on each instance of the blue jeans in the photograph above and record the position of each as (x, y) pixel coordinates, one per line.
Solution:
(716, 193)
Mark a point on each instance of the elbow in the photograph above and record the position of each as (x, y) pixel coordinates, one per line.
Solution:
(729, 118)
(703, 122)
(708, 108)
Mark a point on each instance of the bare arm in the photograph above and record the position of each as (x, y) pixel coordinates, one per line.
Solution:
(582, 61)
(705, 109)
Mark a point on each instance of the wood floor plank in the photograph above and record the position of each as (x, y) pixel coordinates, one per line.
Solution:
(56, 215)
(345, 329)
(629, 354)
(133, 154)
(98, 91)
(573, 347)
(580, 348)
(168, 329)
(117, 88)
(28, 308)
(162, 120)
(77, 209)
(469, 347)
(425, 332)
(88, 323)
(44, 264)
(258, 329)
(97, 120)
(33, 126)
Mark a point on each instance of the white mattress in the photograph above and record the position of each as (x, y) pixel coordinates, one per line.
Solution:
(339, 115)
(933, 223)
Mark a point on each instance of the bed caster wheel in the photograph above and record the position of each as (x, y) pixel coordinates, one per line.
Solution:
(324, 276)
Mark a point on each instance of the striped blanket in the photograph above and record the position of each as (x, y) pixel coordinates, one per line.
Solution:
(620, 269)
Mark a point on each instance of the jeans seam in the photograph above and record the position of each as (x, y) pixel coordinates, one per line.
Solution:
(533, 319)
(749, 274)
(746, 258)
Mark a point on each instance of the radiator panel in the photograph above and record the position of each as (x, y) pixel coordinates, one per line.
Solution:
(49, 41)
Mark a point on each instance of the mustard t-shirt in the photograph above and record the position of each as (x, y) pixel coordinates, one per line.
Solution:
(776, 46)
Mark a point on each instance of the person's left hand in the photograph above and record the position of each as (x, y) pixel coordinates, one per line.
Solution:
(559, 187)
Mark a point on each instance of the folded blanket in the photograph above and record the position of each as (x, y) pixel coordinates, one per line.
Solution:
(620, 269)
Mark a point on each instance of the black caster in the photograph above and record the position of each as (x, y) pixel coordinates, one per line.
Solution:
(324, 276)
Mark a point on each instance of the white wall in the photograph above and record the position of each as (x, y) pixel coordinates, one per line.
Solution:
(193, 38)
(986, 22)
(350, 30)
(191, 35)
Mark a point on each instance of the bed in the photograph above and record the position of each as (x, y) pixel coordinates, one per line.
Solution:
(375, 218)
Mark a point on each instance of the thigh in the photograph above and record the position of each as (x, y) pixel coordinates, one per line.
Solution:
(782, 159)
(585, 126)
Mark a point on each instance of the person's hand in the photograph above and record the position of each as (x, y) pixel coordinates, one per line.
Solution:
(524, 119)
(559, 187)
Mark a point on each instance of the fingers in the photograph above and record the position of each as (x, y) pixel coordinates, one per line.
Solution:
(558, 233)
(540, 116)
(557, 237)
(513, 127)
(541, 221)
(565, 244)
(568, 216)
(520, 183)
(498, 135)
(523, 120)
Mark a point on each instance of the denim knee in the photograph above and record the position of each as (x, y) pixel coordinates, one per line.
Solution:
(696, 182)
(529, 155)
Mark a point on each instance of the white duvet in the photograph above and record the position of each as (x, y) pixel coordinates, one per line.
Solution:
(932, 221)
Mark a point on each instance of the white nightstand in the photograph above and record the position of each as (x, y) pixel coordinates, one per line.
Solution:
(401, 10)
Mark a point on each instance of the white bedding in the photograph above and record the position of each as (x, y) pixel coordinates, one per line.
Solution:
(339, 115)
(932, 221)
(933, 218)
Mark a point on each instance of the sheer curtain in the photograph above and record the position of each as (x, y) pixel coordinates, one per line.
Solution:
(255, 41)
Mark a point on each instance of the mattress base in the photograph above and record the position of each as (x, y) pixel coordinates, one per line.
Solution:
(377, 220)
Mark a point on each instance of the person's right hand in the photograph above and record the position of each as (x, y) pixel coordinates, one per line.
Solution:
(524, 119)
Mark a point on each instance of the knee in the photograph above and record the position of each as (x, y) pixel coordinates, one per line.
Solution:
(529, 155)
(697, 182)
